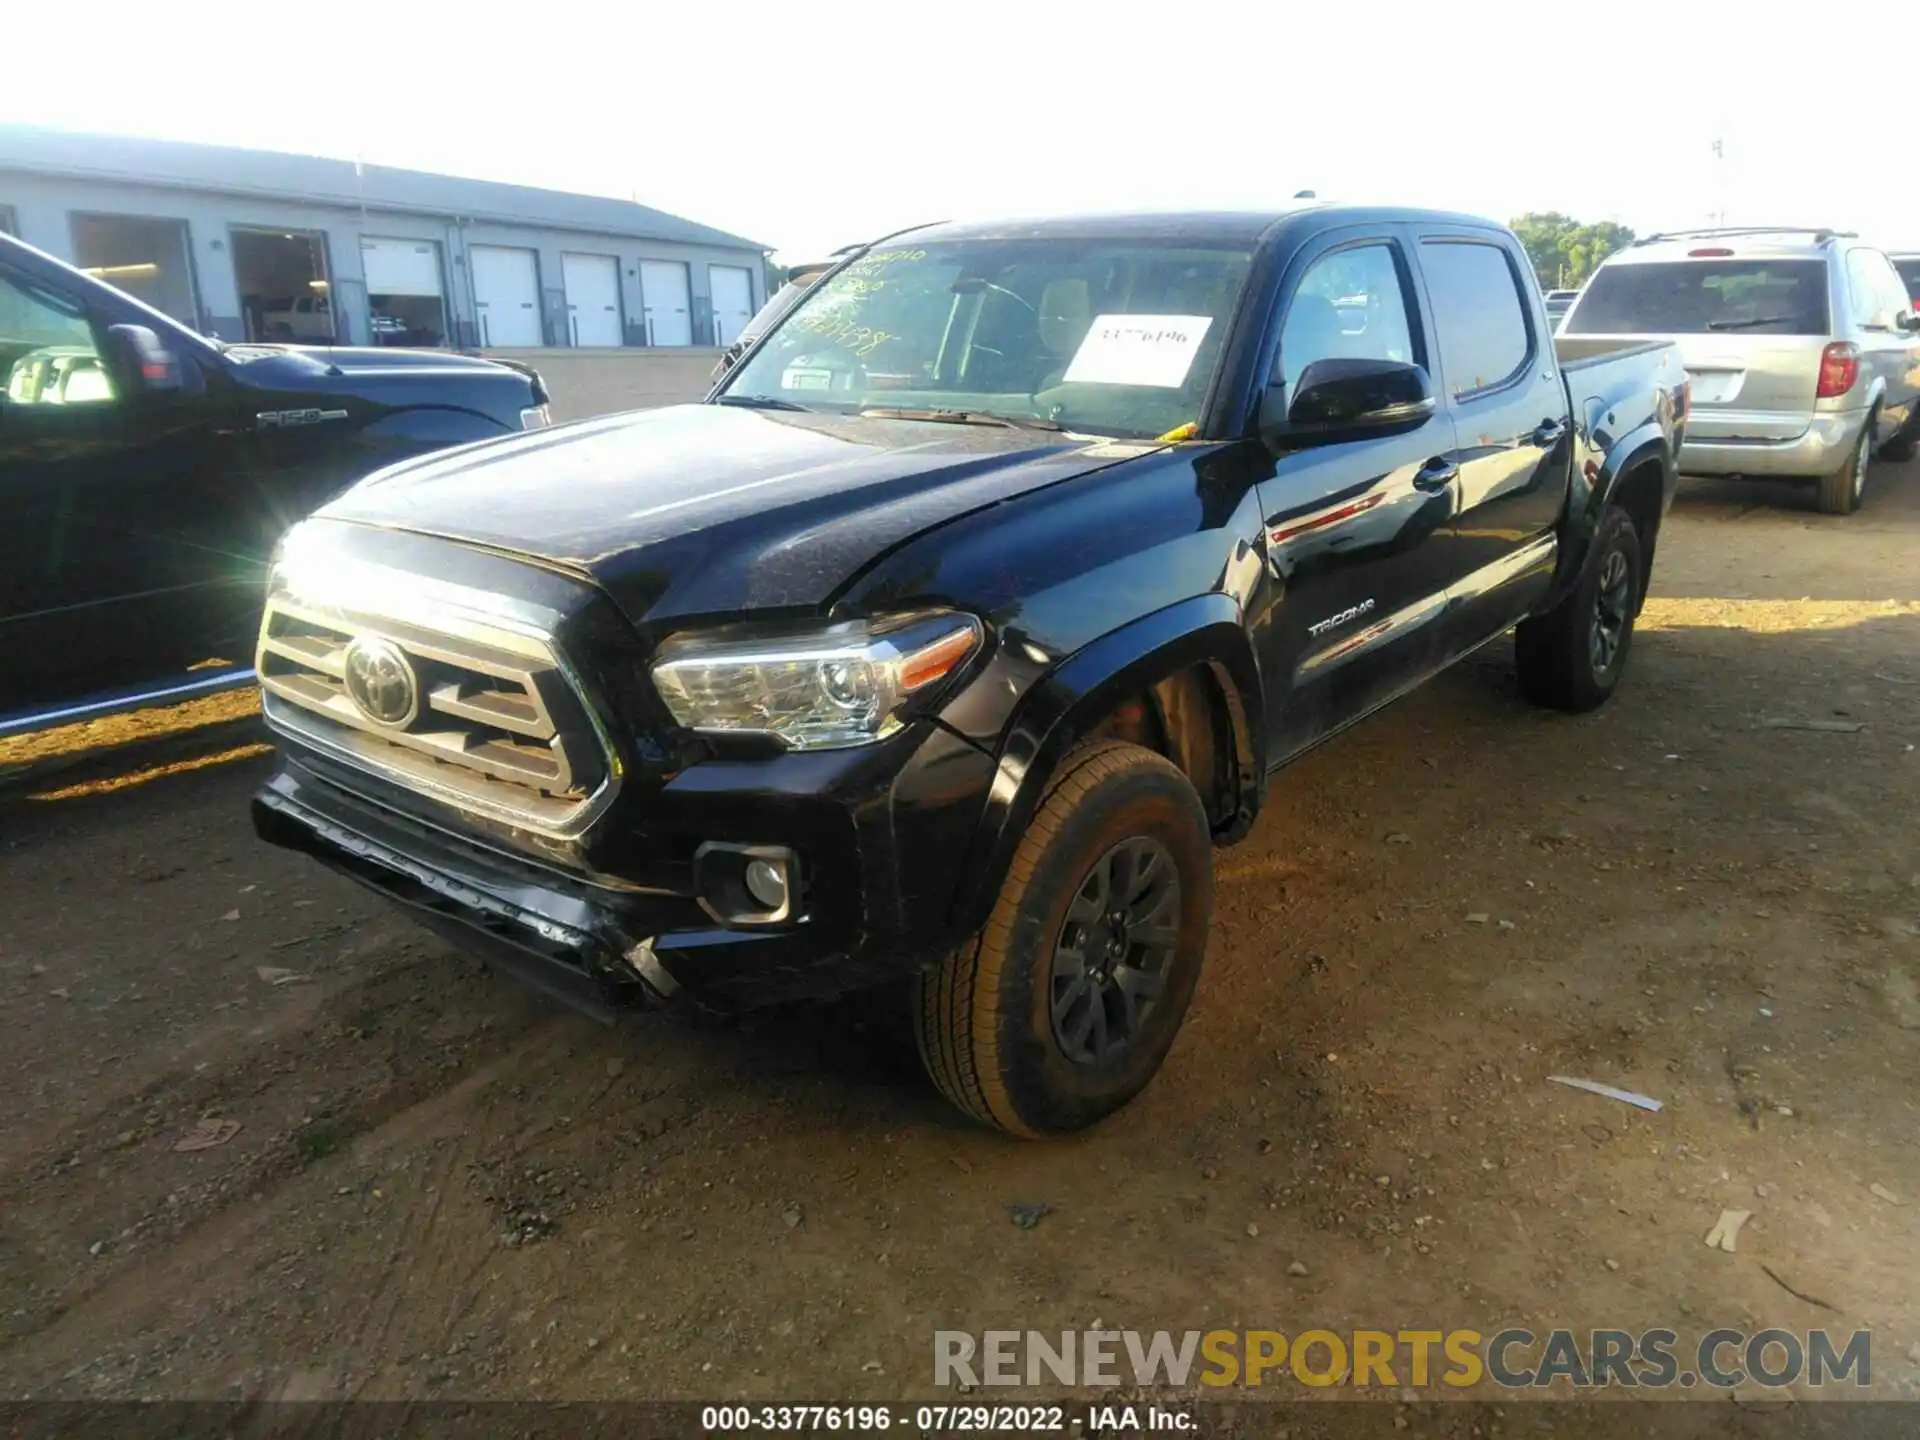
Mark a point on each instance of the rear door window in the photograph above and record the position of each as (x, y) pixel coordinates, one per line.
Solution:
(1873, 290)
(1894, 296)
(1478, 315)
(1702, 297)
(1910, 275)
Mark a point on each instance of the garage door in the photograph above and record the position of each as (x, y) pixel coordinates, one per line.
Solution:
(663, 291)
(593, 299)
(732, 289)
(506, 295)
(400, 267)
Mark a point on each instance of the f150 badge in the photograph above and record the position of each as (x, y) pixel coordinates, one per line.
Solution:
(1334, 622)
(291, 419)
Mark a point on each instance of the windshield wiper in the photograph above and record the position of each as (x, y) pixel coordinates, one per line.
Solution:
(760, 402)
(1749, 324)
(965, 417)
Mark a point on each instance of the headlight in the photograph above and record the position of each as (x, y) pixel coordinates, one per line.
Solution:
(536, 418)
(844, 685)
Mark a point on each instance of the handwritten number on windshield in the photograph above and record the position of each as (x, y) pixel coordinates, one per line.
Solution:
(845, 330)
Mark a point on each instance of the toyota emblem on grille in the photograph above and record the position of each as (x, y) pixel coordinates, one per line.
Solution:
(381, 683)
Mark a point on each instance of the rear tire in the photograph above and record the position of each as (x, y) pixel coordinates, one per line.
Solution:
(1841, 492)
(1572, 657)
(1063, 1006)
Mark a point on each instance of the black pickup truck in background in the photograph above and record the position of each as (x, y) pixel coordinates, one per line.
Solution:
(146, 472)
(941, 644)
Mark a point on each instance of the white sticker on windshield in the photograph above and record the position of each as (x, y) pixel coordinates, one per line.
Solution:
(1138, 350)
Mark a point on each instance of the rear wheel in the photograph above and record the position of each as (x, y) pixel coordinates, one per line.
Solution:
(1065, 1004)
(1841, 492)
(1572, 657)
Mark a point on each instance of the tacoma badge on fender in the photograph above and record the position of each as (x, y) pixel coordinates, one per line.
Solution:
(1320, 627)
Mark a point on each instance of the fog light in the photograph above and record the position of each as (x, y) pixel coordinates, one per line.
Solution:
(748, 885)
(767, 883)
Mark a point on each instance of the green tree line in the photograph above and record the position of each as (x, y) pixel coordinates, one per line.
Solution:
(1564, 251)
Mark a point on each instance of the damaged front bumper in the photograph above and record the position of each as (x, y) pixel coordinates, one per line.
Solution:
(537, 929)
(607, 943)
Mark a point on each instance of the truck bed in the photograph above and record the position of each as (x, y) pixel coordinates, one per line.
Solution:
(1579, 351)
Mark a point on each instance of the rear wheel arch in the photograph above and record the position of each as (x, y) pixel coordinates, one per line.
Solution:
(1840, 490)
(1641, 491)
(1638, 474)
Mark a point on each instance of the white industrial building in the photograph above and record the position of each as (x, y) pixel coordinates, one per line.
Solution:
(251, 245)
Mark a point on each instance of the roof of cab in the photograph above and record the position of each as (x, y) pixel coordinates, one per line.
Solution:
(1225, 227)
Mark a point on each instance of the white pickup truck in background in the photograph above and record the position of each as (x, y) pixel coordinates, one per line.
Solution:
(306, 317)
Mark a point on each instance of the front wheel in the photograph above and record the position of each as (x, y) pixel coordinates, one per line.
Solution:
(1572, 657)
(1841, 492)
(1063, 1006)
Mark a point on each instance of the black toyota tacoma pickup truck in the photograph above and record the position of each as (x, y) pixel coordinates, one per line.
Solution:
(945, 639)
(146, 472)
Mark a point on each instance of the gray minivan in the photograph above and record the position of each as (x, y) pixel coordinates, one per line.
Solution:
(1802, 345)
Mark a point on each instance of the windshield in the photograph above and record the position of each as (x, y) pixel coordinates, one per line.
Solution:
(1693, 297)
(782, 299)
(1110, 338)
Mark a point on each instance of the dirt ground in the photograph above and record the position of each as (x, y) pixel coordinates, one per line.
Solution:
(438, 1188)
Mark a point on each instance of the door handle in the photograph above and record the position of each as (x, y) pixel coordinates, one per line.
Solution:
(1548, 433)
(1436, 474)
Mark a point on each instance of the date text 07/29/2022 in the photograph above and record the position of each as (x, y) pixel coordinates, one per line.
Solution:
(947, 1419)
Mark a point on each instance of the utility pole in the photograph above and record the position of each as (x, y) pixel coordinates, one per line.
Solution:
(1720, 174)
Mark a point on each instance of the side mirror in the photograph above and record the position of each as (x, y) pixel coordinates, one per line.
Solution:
(1336, 400)
(1907, 321)
(141, 361)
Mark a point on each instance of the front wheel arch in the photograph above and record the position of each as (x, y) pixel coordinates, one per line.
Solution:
(1070, 704)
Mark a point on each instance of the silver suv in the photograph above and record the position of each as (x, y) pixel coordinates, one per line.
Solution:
(1802, 346)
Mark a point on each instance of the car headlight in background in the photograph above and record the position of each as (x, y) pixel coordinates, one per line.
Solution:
(839, 686)
(536, 417)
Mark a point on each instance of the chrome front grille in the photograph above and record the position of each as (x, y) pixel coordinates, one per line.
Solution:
(494, 725)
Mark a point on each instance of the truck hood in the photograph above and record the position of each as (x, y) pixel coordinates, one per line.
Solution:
(706, 509)
(371, 382)
(304, 361)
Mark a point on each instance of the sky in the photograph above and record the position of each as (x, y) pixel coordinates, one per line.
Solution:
(807, 128)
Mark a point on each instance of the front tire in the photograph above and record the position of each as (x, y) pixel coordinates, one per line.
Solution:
(1841, 492)
(1572, 657)
(1063, 1006)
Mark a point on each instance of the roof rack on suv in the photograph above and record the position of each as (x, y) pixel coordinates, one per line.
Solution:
(1819, 233)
